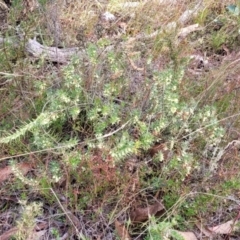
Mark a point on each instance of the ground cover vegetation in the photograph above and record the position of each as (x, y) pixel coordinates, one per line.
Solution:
(119, 119)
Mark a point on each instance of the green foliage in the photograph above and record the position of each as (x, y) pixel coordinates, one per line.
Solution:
(26, 224)
(231, 184)
(162, 230)
(218, 39)
(171, 198)
(93, 104)
(55, 233)
(113, 113)
(55, 171)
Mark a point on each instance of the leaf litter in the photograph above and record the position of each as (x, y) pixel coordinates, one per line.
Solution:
(137, 214)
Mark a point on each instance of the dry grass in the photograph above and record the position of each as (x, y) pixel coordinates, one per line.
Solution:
(91, 196)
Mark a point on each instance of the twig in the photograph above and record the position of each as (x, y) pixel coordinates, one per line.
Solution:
(4, 5)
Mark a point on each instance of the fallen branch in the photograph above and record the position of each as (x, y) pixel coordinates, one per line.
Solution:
(37, 50)
(187, 30)
(183, 19)
(53, 54)
(3, 5)
(60, 55)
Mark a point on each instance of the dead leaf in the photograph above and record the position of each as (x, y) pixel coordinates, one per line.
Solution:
(204, 230)
(65, 236)
(142, 214)
(4, 173)
(37, 235)
(7, 235)
(122, 231)
(162, 147)
(225, 228)
(30, 5)
(187, 235)
(7, 171)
